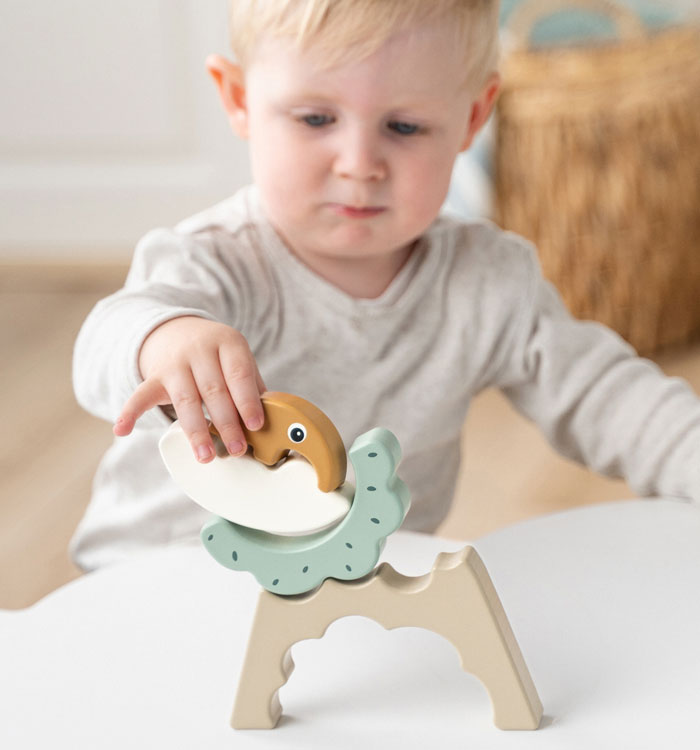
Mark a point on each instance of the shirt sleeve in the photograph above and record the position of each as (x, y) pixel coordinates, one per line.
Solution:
(171, 275)
(600, 404)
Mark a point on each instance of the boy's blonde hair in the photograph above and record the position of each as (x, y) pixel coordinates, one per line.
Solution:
(344, 30)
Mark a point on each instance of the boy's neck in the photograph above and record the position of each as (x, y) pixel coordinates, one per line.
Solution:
(361, 278)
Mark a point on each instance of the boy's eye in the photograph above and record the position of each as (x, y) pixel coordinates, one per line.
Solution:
(403, 128)
(316, 120)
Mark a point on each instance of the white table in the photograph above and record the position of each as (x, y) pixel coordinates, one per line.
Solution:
(604, 602)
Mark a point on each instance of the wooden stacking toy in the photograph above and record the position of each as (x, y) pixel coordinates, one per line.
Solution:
(312, 541)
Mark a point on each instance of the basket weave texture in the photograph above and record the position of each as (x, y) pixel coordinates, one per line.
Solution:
(598, 163)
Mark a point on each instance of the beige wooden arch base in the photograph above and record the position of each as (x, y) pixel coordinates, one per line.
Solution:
(456, 600)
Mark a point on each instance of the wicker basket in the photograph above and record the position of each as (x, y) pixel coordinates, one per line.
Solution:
(598, 163)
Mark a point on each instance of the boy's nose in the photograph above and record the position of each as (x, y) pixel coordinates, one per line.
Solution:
(359, 157)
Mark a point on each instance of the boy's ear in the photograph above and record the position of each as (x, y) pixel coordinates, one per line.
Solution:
(481, 108)
(230, 83)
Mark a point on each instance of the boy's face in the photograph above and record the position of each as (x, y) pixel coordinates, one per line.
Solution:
(355, 161)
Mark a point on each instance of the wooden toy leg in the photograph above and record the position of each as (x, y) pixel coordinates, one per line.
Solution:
(456, 600)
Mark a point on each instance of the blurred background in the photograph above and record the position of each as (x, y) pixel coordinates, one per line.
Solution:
(110, 127)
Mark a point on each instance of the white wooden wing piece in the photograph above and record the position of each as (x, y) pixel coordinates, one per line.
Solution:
(282, 499)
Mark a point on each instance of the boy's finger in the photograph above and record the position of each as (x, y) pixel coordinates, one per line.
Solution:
(259, 381)
(187, 402)
(147, 395)
(242, 382)
(222, 412)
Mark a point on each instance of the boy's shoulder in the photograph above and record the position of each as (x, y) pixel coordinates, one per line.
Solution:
(480, 247)
(231, 215)
(490, 276)
(219, 237)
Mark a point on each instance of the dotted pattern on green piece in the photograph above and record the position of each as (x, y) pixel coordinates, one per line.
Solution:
(350, 550)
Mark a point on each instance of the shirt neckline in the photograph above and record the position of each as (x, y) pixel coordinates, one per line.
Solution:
(400, 291)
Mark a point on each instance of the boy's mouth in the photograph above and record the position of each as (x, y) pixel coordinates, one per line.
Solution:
(357, 212)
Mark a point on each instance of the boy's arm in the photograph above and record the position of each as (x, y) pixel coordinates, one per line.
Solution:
(173, 278)
(600, 404)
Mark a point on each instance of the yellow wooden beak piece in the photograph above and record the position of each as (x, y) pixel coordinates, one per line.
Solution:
(292, 423)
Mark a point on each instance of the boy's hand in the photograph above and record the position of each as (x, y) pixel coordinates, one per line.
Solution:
(189, 360)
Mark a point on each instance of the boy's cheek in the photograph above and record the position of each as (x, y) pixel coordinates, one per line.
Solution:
(278, 157)
(425, 187)
(271, 170)
(279, 179)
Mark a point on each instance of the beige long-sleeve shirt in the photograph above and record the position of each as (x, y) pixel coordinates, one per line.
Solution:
(469, 310)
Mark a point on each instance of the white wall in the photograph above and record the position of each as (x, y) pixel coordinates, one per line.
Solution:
(109, 123)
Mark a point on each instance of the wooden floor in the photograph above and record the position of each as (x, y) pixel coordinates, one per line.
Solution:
(50, 448)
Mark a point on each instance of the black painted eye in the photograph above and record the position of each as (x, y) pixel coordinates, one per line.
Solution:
(297, 432)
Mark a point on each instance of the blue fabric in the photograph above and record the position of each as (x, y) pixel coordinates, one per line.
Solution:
(578, 25)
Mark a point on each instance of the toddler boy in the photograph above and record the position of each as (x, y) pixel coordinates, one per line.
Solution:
(334, 278)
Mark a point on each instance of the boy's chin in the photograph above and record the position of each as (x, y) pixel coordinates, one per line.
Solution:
(351, 254)
(346, 241)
